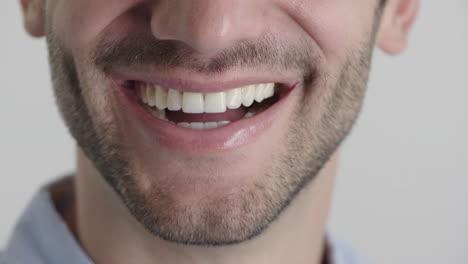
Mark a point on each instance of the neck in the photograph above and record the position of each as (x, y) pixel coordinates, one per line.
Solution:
(109, 234)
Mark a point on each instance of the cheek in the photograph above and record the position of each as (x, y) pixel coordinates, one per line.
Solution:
(336, 26)
(79, 23)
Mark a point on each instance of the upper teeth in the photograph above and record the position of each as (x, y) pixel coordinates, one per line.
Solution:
(197, 103)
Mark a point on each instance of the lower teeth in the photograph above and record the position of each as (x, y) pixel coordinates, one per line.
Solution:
(200, 126)
(161, 114)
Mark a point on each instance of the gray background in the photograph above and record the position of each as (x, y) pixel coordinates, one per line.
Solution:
(402, 191)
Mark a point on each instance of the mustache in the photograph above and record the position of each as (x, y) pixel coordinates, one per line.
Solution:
(144, 50)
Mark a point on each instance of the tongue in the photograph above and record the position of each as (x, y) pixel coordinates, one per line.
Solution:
(229, 115)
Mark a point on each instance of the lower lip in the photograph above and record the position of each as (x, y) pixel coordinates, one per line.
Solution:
(225, 138)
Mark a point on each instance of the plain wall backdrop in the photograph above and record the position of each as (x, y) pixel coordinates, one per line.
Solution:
(402, 190)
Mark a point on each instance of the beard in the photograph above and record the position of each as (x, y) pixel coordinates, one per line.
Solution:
(329, 105)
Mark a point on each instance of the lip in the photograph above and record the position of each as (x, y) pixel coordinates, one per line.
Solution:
(197, 84)
(225, 138)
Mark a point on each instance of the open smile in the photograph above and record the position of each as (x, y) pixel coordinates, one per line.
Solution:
(192, 121)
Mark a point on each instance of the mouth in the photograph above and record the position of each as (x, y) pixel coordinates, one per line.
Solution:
(201, 111)
(203, 121)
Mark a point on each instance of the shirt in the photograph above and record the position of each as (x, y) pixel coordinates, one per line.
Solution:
(42, 237)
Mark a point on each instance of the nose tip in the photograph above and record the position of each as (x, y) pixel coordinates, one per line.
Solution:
(208, 26)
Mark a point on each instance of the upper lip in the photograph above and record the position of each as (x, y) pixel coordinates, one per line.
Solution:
(192, 82)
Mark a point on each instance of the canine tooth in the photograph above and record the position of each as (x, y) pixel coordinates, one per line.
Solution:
(141, 92)
(223, 123)
(150, 95)
(234, 98)
(215, 102)
(269, 90)
(259, 92)
(197, 125)
(184, 124)
(174, 100)
(192, 103)
(161, 98)
(248, 94)
(210, 125)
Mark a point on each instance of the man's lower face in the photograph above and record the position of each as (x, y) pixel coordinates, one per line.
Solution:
(211, 150)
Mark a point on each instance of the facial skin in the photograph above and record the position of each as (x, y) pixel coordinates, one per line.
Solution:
(231, 193)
